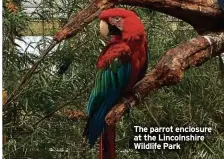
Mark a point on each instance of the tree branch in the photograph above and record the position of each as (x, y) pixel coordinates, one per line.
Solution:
(203, 15)
(83, 18)
(76, 115)
(170, 69)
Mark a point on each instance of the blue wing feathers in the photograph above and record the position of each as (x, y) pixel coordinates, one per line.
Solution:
(97, 122)
(107, 91)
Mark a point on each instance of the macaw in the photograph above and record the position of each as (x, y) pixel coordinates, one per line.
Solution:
(121, 64)
(221, 3)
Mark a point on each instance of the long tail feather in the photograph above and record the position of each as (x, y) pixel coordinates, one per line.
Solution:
(97, 121)
(107, 143)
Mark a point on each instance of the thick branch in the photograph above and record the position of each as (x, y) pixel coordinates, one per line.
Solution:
(203, 15)
(170, 69)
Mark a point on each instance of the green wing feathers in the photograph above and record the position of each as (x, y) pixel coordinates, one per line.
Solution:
(115, 76)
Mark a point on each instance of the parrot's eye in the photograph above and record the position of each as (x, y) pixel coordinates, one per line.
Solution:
(117, 18)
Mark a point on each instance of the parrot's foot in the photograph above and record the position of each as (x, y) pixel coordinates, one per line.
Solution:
(127, 103)
(138, 96)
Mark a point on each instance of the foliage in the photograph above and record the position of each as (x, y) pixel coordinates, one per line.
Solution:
(197, 100)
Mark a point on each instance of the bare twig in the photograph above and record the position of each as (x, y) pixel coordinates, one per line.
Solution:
(27, 76)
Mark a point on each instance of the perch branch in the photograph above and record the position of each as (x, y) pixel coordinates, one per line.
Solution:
(170, 69)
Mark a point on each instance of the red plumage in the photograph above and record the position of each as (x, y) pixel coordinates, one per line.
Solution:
(133, 40)
(113, 50)
(130, 46)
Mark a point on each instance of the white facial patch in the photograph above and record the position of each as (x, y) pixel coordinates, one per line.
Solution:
(117, 21)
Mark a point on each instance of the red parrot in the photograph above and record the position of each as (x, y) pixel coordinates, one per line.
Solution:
(121, 64)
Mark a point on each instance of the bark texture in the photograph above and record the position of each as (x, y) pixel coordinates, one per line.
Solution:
(203, 15)
(79, 21)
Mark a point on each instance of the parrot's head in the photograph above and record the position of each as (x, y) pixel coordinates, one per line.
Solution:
(121, 23)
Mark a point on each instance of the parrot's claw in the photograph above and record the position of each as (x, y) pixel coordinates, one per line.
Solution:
(138, 96)
(126, 102)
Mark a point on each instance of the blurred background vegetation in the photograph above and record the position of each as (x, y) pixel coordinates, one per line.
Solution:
(65, 78)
